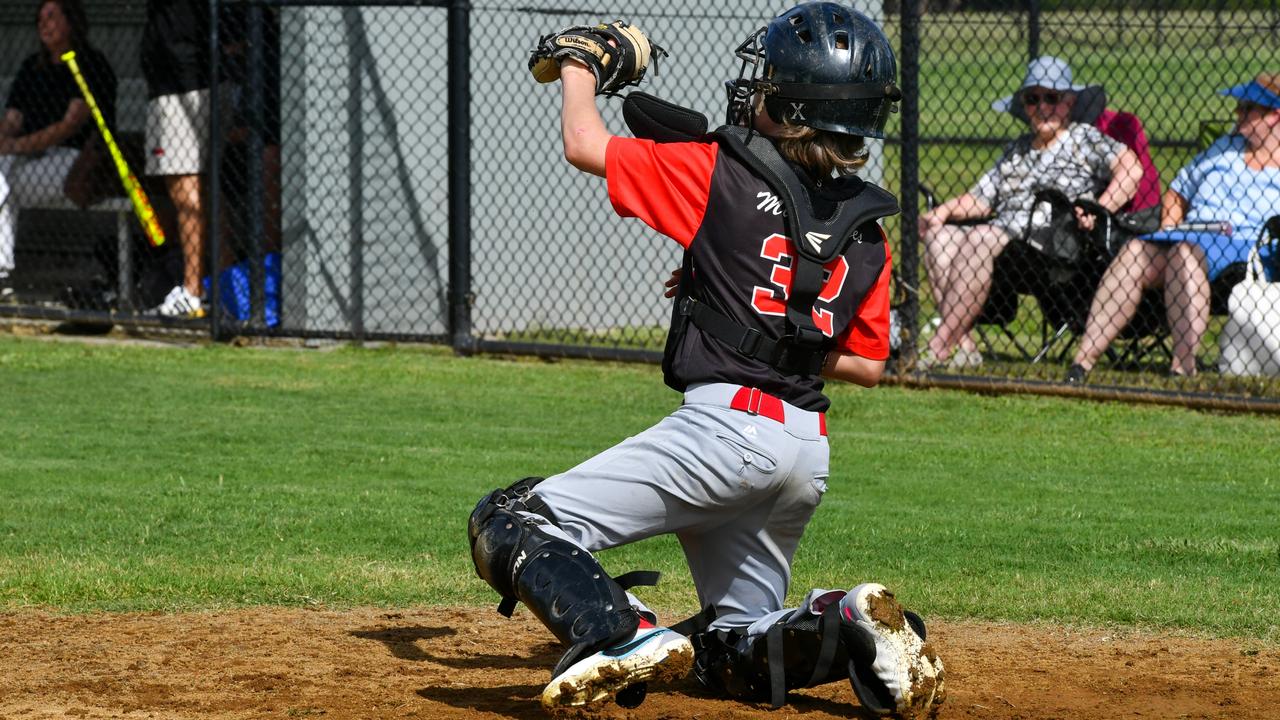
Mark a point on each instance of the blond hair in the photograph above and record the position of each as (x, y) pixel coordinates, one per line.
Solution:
(820, 152)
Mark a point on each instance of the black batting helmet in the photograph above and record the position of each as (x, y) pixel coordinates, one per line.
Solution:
(823, 65)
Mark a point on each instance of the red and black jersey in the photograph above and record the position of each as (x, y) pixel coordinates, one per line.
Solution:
(732, 223)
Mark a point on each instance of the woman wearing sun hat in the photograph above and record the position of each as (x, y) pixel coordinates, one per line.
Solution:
(1234, 183)
(1063, 150)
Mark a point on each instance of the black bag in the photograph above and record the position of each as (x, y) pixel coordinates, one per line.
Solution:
(1060, 241)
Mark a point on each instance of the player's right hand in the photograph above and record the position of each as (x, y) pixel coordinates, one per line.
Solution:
(617, 53)
(672, 284)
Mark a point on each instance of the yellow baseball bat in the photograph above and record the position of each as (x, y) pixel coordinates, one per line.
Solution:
(141, 205)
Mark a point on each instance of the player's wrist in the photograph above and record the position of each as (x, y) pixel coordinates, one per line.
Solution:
(570, 67)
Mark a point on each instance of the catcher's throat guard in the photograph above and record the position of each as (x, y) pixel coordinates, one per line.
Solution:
(519, 552)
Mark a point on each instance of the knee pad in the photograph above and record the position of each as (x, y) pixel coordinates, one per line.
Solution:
(523, 556)
(500, 541)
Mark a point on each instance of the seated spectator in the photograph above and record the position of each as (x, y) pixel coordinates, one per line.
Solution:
(1236, 182)
(1061, 151)
(46, 120)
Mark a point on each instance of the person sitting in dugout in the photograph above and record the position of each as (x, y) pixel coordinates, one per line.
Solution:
(784, 284)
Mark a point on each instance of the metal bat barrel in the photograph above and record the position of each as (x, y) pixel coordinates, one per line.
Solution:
(141, 204)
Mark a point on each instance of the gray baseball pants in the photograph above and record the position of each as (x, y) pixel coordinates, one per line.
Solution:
(736, 488)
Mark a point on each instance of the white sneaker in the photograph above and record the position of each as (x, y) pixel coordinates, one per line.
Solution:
(963, 359)
(906, 678)
(180, 303)
(653, 653)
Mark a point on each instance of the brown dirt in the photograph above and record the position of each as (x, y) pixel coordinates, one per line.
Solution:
(472, 663)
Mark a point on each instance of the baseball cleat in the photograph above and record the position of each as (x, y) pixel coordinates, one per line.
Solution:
(652, 654)
(906, 678)
(180, 303)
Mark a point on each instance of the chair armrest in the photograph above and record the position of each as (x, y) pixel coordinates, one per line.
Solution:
(930, 199)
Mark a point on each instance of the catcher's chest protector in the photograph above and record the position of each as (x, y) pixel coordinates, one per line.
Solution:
(851, 231)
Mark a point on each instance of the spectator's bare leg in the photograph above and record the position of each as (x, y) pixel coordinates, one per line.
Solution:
(186, 191)
(1138, 266)
(968, 286)
(1186, 295)
(941, 247)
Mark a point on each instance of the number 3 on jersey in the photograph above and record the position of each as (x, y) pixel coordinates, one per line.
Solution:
(778, 249)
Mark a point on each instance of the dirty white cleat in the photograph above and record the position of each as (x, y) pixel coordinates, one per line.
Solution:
(652, 654)
(906, 678)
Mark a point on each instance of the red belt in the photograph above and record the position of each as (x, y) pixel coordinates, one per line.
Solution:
(755, 402)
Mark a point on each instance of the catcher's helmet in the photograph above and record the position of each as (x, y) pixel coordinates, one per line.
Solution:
(825, 66)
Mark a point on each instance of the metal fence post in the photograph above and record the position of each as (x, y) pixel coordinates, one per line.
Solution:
(1033, 29)
(459, 57)
(255, 222)
(213, 188)
(353, 22)
(910, 182)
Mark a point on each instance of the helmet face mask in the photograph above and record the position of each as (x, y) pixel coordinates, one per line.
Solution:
(821, 65)
(741, 91)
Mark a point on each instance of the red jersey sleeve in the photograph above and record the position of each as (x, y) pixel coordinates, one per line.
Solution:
(664, 184)
(868, 333)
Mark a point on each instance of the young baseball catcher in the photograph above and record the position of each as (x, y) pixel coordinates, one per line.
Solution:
(785, 283)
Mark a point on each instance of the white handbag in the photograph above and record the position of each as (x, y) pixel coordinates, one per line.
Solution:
(1250, 340)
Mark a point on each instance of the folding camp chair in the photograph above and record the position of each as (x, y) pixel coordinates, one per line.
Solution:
(1063, 293)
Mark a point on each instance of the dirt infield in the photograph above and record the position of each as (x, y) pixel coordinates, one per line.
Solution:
(472, 663)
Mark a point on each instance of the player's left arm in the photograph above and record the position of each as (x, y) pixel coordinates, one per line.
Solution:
(850, 367)
(860, 354)
(581, 126)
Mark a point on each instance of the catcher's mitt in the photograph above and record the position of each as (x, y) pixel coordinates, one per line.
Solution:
(618, 54)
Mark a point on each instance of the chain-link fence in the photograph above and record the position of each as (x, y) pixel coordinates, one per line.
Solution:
(1036, 178)
(389, 170)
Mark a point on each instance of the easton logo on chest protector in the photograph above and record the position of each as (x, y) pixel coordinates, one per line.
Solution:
(815, 240)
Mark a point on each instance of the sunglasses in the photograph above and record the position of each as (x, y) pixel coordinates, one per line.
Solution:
(1049, 98)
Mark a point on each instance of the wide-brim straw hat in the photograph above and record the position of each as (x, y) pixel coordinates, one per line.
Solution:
(1053, 73)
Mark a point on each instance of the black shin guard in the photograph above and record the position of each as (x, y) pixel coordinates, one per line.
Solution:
(515, 551)
(801, 651)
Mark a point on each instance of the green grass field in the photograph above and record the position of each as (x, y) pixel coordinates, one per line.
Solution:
(138, 478)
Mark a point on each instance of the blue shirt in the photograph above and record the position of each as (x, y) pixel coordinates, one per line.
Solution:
(1218, 186)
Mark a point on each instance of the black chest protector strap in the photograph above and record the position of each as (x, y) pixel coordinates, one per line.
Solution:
(785, 355)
